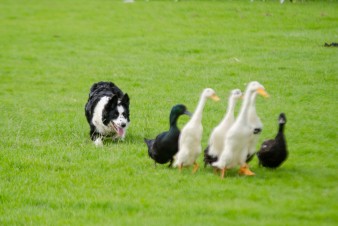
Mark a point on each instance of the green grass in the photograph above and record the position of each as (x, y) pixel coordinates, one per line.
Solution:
(163, 53)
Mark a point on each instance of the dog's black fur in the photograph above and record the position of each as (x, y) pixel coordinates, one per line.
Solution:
(104, 113)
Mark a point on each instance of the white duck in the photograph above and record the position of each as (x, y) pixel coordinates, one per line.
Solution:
(256, 126)
(191, 134)
(237, 139)
(217, 137)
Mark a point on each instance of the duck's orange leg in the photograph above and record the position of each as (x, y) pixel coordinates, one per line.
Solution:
(244, 170)
(223, 172)
(196, 166)
(180, 166)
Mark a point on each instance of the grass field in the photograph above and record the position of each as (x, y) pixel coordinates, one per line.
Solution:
(163, 53)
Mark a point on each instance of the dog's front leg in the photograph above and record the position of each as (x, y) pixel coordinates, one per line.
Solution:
(98, 142)
(97, 138)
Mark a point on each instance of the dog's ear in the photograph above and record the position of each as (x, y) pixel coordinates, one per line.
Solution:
(112, 103)
(94, 87)
(125, 100)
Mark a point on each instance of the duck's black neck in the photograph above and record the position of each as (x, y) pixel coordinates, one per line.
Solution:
(281, 129)
(173, 120)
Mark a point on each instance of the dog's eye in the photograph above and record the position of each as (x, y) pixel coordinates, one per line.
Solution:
(124, 114)
(116, 114)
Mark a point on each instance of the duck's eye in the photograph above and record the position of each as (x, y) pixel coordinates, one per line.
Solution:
(257, 130)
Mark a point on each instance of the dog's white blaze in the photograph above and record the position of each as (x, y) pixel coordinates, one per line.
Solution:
(97, 116)
(121, 120)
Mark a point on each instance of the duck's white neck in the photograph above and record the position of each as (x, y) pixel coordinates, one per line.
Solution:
(252, 108)
(231, 106)
(230, 113)
(197, 116)
(243, 114)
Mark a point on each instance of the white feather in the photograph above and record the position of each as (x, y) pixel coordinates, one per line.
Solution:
(217, 137)
(191, 134)
(237, 139)
(255, 123)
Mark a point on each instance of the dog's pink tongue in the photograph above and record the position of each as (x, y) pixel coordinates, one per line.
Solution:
(120, 131)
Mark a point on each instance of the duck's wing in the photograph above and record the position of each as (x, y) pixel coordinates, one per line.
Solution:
(266, 146)
(160, 139)
(268, 151)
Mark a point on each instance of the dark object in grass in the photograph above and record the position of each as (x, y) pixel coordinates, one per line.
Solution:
(163, 148)
(274, 152)
(333, 44)
(249, 157)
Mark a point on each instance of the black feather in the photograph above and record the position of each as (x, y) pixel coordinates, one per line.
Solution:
(274, 152)
(163, 148)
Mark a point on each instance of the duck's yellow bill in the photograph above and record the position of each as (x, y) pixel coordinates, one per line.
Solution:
(214, 97)
(262, 92)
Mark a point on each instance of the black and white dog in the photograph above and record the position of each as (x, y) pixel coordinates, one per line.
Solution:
(107, 112)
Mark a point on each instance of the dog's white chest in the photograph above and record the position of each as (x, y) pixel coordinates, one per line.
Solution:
(97, 117)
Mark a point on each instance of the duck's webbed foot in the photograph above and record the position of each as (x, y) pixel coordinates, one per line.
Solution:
(244, 170)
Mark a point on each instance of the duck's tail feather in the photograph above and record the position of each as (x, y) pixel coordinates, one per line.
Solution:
(250, 157)
(147, 141)
(150, 143)
(208, 159)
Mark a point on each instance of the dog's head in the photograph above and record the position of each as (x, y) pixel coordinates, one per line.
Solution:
(116, 115)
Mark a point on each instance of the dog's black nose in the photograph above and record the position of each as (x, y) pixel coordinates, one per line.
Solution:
(123, 125)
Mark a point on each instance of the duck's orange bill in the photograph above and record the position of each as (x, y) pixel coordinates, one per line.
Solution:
(262, 92)
(215, 97)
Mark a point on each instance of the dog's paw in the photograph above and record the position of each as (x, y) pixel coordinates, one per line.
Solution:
(98, 142)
